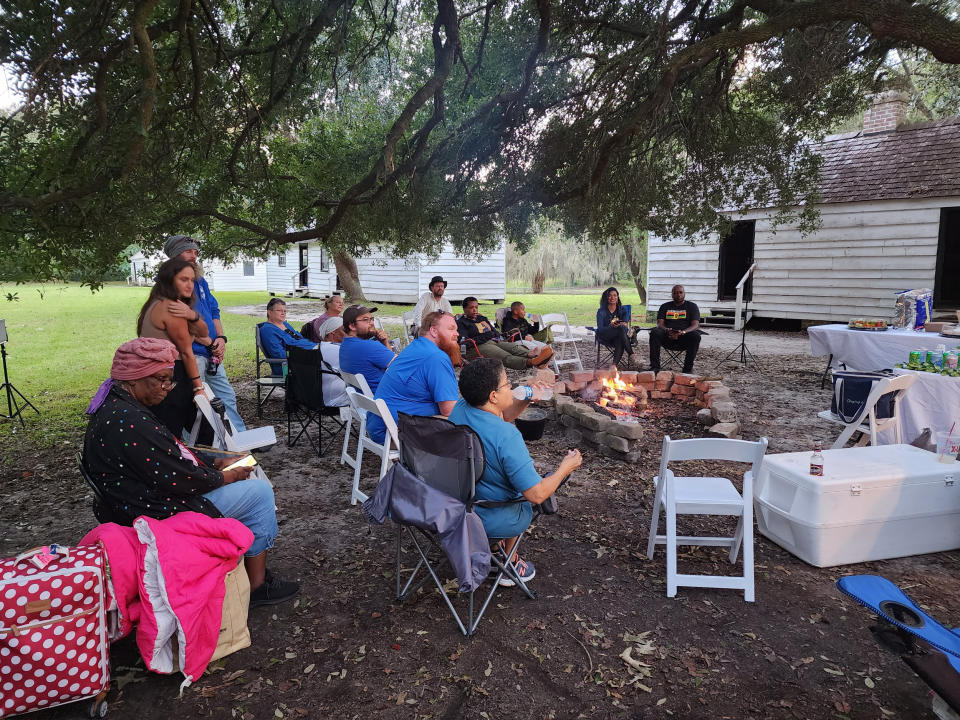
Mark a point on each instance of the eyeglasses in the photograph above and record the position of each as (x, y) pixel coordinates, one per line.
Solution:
(506, 384)
(164, 384)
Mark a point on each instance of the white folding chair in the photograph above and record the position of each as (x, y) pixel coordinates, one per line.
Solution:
(564, 341)
(388, 450)
(867, 421)
(706, 496)
(408, 329)
(359, 383)
(224, 437)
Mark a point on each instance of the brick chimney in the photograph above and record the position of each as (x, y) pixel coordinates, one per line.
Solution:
(889, 109)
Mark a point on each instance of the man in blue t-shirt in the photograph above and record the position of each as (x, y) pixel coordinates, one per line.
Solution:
(364, 350)
(489, 408)
(421, 380)
(207, 306)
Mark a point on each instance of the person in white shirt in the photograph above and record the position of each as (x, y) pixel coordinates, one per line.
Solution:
(334, 389)
(432, 300)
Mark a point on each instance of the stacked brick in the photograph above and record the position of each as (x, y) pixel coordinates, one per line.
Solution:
(620, 440)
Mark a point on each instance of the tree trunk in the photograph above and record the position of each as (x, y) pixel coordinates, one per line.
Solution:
(635, 261)
(349, 276)
(538, 278)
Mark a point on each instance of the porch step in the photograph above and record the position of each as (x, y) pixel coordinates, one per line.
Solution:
(719, 317)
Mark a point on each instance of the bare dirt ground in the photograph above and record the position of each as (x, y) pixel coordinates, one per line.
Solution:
(345, 649)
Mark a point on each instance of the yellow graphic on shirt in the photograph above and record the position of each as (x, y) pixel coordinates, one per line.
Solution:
(676, 314)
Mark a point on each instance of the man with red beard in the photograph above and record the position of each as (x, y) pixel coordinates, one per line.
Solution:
(421, 380)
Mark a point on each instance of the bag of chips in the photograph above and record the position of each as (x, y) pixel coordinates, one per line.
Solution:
(913, 308)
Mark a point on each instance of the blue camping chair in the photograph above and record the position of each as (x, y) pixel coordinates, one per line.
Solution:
(605, 349)
(931, 650)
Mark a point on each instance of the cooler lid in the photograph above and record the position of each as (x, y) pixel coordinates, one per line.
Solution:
(877, 466)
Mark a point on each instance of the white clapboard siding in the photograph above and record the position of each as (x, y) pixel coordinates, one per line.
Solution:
(403, 280)
(222, 277)
(322, 273)
(486, 280)
(852, 265)
(280, 278)
(388, 279)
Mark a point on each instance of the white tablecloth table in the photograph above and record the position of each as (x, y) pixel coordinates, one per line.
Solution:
(933, 401)
(870, 350)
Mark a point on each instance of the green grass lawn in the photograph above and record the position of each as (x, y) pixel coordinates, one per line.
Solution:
(62, 338)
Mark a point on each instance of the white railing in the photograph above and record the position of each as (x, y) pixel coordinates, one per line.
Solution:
(738, 320)
(312, 275)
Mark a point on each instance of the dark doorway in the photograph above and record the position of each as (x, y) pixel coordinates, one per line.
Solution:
(304, 264)
(736, 257)
(946, 288)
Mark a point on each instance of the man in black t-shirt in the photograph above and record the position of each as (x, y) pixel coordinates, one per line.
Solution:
(677, 328)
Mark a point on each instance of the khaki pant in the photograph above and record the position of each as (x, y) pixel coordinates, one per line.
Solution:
(512, 355)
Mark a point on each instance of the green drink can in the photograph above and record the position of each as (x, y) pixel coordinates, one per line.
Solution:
(933, 357)
(916, 357)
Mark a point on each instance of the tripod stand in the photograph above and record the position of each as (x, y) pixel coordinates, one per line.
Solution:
(15, 406)
(745, 354)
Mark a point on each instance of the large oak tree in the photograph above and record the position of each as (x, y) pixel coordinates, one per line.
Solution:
(353, 122)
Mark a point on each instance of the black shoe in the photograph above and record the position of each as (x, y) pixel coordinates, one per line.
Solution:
(273, 591)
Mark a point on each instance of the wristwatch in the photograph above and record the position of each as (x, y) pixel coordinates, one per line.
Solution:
(221, 337)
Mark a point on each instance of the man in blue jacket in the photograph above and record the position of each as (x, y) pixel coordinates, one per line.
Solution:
(186, 247)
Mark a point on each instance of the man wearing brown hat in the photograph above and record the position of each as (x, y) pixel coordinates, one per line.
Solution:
(209, 357)
(364, 349)
(432, 300)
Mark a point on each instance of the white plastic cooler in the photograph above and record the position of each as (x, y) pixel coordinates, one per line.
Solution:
(871, 503)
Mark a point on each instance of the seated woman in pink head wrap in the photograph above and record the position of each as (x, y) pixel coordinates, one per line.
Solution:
(141, 468)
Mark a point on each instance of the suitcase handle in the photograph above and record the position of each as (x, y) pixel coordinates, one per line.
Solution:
(52, 549)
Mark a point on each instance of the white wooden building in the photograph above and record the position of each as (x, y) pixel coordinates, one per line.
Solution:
(890, 221)
(307, 269)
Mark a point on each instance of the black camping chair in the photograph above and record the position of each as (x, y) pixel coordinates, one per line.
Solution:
(101, 507)
(272, 380)
(304, 398)
(449, 458)
(605, 350)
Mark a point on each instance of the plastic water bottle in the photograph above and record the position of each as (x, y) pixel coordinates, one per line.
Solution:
(525, 392)
(816, 460)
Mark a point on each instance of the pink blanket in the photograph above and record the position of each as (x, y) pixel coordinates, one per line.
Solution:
(168, 581)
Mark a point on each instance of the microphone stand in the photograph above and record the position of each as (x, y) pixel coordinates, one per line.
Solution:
(15, 407)
(745, 354)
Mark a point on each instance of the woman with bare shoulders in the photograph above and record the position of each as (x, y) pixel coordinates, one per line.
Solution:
(168, 314)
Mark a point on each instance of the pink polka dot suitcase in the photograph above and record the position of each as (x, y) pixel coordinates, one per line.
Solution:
(54, 645)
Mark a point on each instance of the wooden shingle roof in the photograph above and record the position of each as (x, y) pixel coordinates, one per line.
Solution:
(914, 161)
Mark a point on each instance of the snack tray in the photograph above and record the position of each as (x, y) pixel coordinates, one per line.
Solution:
(869, 329)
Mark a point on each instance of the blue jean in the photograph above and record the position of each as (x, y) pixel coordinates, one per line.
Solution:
(251, 502)
(222, 389)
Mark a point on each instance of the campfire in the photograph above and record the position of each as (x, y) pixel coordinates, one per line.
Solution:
(613, 412)
(615, 398)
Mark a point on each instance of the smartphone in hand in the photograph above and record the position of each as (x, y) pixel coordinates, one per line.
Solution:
(248, 461)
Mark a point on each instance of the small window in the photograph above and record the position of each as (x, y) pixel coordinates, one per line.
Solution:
(248, 269)
(281, 260)
(324, 261)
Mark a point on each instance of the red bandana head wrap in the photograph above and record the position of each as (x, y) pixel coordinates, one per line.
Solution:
(139, 358)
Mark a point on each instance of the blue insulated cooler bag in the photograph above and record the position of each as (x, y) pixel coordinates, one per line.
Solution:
(851, 389)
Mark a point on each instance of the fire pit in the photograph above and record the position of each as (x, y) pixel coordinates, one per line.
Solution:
(609, 410)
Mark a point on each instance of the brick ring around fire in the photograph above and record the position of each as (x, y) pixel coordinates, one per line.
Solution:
(606, 407)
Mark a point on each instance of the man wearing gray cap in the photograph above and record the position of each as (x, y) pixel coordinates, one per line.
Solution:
(209, 359)
(334, 388)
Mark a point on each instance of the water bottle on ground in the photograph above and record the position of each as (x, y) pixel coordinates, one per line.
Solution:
(526, 392)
